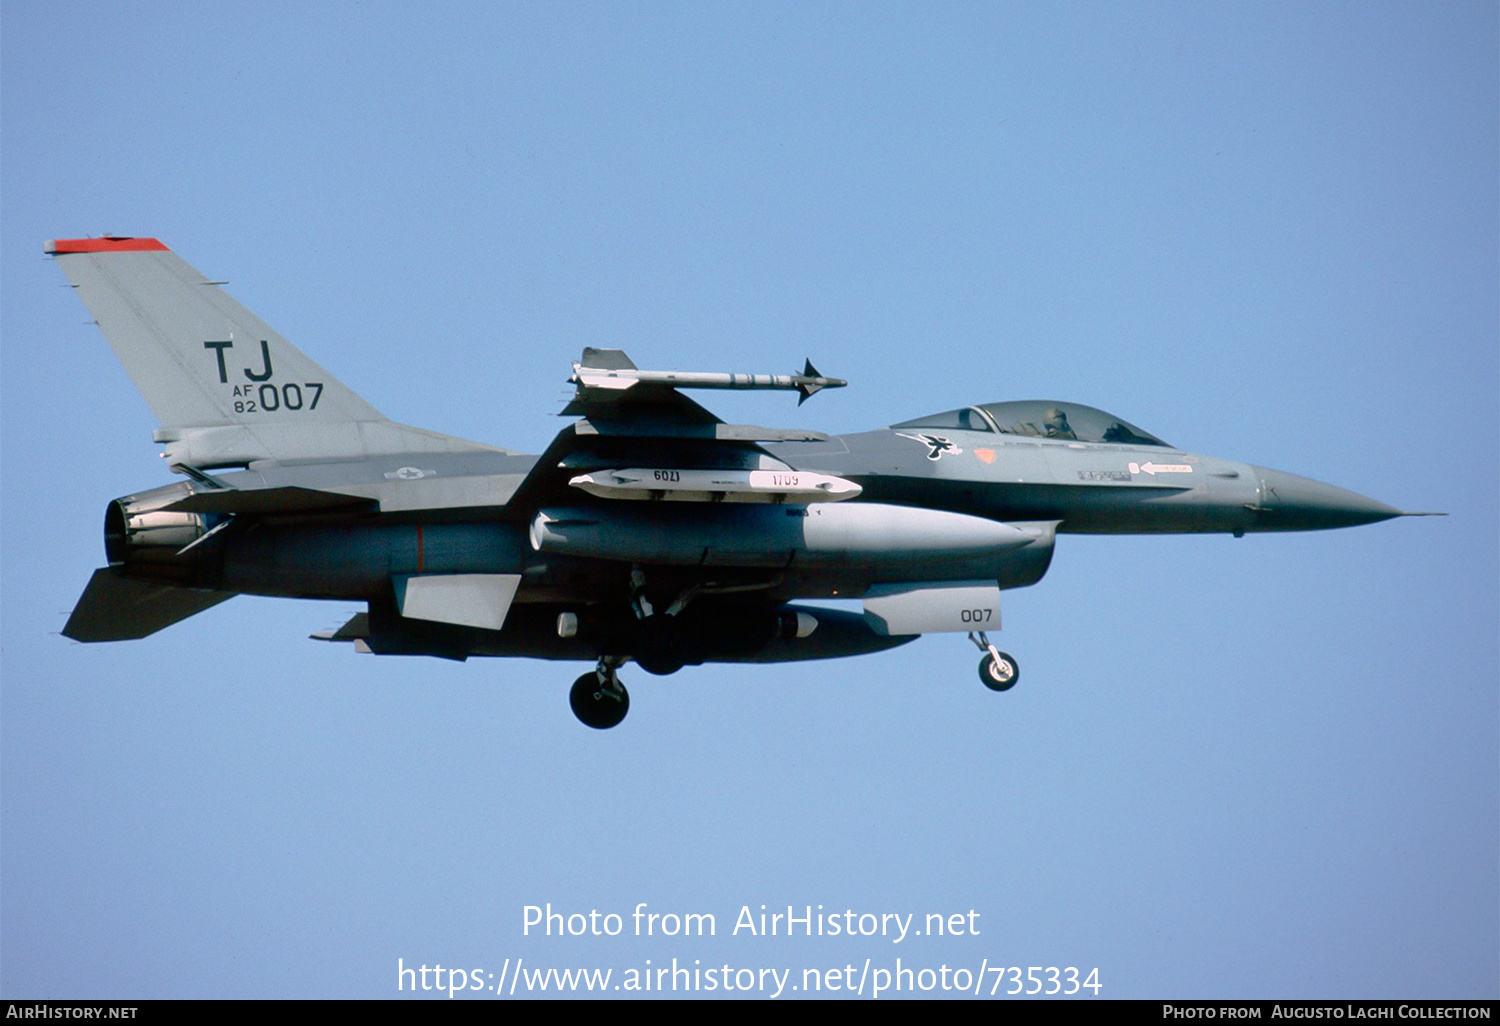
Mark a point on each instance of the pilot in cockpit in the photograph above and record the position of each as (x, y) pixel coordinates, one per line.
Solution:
(1055, 423)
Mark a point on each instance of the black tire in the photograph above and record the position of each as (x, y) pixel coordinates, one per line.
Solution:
(658, 647)
(596, 707)
(1000, 676)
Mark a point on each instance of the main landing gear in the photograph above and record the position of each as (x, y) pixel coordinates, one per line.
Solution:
(997, 670)
(598, 698)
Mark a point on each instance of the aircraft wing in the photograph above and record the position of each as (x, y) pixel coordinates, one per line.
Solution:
(636, 418)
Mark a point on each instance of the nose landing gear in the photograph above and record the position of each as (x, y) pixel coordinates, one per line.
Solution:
(598, 698)
(998, 670)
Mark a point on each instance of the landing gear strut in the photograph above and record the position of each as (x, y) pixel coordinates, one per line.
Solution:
(598, 698)
(997, 670)
(658, 641)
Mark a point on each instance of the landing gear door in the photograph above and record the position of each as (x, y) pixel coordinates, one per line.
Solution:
(900, 609)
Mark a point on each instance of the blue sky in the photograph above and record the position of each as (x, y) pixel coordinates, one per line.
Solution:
(1233, 768)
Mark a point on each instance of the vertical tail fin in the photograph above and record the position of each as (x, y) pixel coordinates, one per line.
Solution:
(224, 385)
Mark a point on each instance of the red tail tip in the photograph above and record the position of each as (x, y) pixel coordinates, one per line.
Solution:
(106, 244)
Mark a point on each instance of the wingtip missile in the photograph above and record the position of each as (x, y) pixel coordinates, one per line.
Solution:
(613, 376)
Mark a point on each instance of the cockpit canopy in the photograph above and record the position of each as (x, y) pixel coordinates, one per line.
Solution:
(1040, 418)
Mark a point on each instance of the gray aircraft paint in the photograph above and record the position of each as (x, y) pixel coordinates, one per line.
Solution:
(297, 487)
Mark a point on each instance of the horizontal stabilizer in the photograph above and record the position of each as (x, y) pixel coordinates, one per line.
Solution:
(118, 608)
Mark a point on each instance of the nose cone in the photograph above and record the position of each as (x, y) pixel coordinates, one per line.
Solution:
(1292, 503)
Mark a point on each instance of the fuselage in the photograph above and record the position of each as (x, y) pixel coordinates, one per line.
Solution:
(933, 505)
(1043, 486)
(1087, 487)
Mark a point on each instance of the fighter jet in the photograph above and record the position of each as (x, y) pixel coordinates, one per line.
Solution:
(648, 531)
